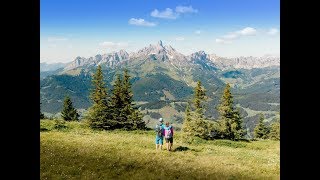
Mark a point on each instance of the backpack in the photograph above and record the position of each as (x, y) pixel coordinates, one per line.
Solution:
(169, 133)
(159, 129)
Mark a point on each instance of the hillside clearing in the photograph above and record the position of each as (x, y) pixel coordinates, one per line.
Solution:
(77, 152)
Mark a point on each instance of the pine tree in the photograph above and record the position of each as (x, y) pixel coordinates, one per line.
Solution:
(130, 115)
(187, 126)
(194, 123)
(41, 114)
(127, 92)
(68, 112)
(133, 117)
(117, 104)
(226, 106)
(261, 130)
(230, 119)
(236, 125)
(99, 114)
(199, 96)
(275, 130)
(200, 126)
(226, 113)
(123, 111)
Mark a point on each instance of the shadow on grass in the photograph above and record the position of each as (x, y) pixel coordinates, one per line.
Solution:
(43, 129)
(244, 140)
(181, 148)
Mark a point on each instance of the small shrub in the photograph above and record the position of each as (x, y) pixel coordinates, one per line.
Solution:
(46, 125)
(59, 124)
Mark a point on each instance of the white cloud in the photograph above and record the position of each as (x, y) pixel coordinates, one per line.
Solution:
(113, 45)
(56, 39)
(223, 41)
(197, 32)
(273, 31)
(166, 14)
(185, 9)
(226, 39)
(179, 38)
(231, 36)
(141, 22)
(247, 31)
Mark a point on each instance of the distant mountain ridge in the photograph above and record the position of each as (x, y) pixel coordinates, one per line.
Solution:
(167, 53)
(44, 67)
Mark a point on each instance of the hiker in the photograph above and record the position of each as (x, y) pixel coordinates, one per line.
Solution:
(159, 134)
(168, 135)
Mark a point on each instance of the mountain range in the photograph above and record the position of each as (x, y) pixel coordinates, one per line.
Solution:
(163, 81)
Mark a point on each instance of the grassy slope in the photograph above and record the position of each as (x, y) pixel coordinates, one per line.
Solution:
(80, 153)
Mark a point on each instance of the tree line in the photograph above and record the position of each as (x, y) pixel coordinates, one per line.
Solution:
(262, 131)
(229, 124)
(114, 111)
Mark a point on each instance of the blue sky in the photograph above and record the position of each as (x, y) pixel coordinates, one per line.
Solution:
(70, 28)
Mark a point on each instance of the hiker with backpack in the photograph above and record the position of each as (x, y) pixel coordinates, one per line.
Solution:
(168, 135)
(159, 134)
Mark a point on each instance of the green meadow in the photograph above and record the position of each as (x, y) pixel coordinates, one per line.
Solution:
(74, 151)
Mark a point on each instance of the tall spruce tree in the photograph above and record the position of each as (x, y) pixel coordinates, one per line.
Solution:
(261, 130)
(275, 130)
(69, 113)
(237, 125)
(194, 124)
(133, 117)
(99, 113)
(187, 123)
(230, 119)
(199, 96)
(124, 115)
(127, 92)
(128, 112)
(117, 104)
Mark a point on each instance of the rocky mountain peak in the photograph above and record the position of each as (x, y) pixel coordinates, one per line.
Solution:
(160, 43)
(166, 53)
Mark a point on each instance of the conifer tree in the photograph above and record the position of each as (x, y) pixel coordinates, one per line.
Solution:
(133, 116)
(200, 126)
(237, 125)
(275, 130)
(230, 119)
(199, 96)
(127, 92)
(69, 113)
(187, 126)
(123, 111)
(261, 130)
(99, 113)
(117, 104)
(194, 124)
(136, 120)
